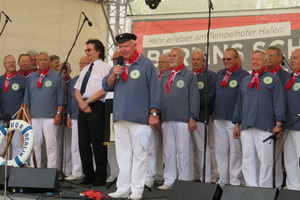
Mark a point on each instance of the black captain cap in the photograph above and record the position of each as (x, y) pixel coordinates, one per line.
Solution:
(125, 37)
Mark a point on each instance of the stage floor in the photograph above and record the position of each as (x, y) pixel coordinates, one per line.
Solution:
(72, 190)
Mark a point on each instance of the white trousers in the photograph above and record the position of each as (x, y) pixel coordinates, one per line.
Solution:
(112, 160)
(228, 153)
(177, 144)
(212, 149)
(155, 156)
(257, 160)
(76, 161)
(198, 137)
(44, 127)
(292, 159)
(131, 157)
(64, 145)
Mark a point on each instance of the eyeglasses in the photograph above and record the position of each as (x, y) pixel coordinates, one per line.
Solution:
(226, 59)
(88, 50)
(113, 59)
(13, 62)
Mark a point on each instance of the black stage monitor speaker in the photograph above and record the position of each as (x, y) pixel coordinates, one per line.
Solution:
(2, 174)
(34, 179)
(288, 195)
(187, 190)
(248, 193)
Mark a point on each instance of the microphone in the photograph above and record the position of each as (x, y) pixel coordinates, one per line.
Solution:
(6, 16)
(282, 61)
(6, 120)
(89, 23)
(120, 61)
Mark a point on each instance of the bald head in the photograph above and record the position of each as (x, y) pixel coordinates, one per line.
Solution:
(84, 61)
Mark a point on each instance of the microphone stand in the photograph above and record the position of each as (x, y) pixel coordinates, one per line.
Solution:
(6, 123)
(64, 69)
(210, 8)
(285, 62)
(274, 138)
(6, 21)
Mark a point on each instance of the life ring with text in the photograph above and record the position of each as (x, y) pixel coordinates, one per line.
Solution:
(28, 135)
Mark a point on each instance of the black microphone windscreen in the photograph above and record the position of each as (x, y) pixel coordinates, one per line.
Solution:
(120, 60)
(90, 23)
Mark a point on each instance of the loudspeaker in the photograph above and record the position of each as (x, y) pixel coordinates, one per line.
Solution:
(2, 174)
(183, 190)
(248, 193)
(34, 179)
(288, 195)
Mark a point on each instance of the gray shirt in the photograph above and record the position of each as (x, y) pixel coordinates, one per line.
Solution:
(260, 108)
(13, 98)
(183, 101)
(134, 99)
(43, 102)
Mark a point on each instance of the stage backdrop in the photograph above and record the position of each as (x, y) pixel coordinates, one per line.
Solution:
(244, 30)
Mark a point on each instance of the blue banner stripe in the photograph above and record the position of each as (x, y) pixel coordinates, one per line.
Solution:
(26, 129)
(2, 129)
(18, 161)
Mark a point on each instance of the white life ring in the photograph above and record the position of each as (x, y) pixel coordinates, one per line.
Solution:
(28, 135)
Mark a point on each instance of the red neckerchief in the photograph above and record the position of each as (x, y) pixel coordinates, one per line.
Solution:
(255, 80)
(172, 76)
(34, 70)
(67, 79)
(7, 78)
(160, 75)
(228, 73)
(198, 71)
(24, 74)
(291, 81)
(42, 75)
(135, 56)
(275, 69)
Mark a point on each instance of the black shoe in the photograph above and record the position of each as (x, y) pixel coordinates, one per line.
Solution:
(98, 183)
(87, 181)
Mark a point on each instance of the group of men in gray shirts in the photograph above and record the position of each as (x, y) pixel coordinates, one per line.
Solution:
(240, 108)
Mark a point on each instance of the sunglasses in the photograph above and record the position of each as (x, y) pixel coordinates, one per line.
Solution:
(88, 50)
(113, 59)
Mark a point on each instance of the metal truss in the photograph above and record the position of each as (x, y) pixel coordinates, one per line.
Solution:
(116, 12)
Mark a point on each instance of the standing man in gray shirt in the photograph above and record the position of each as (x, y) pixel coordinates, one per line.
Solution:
(12, 89)
(44, 99)
(259, 112)
(136, 103)
(180, 110)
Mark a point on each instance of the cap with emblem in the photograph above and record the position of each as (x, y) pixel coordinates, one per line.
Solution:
(125, 37)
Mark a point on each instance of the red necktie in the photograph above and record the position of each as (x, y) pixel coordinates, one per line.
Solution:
(172, 76)
(291, 81)
(135, 56)
(7, 79)
(228, 73)
(255, 80)
(198, 71)
(42, 76)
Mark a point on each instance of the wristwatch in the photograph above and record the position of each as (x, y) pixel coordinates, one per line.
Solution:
(58, 112)
(153, 113)
(279, 125)
(88, 101)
